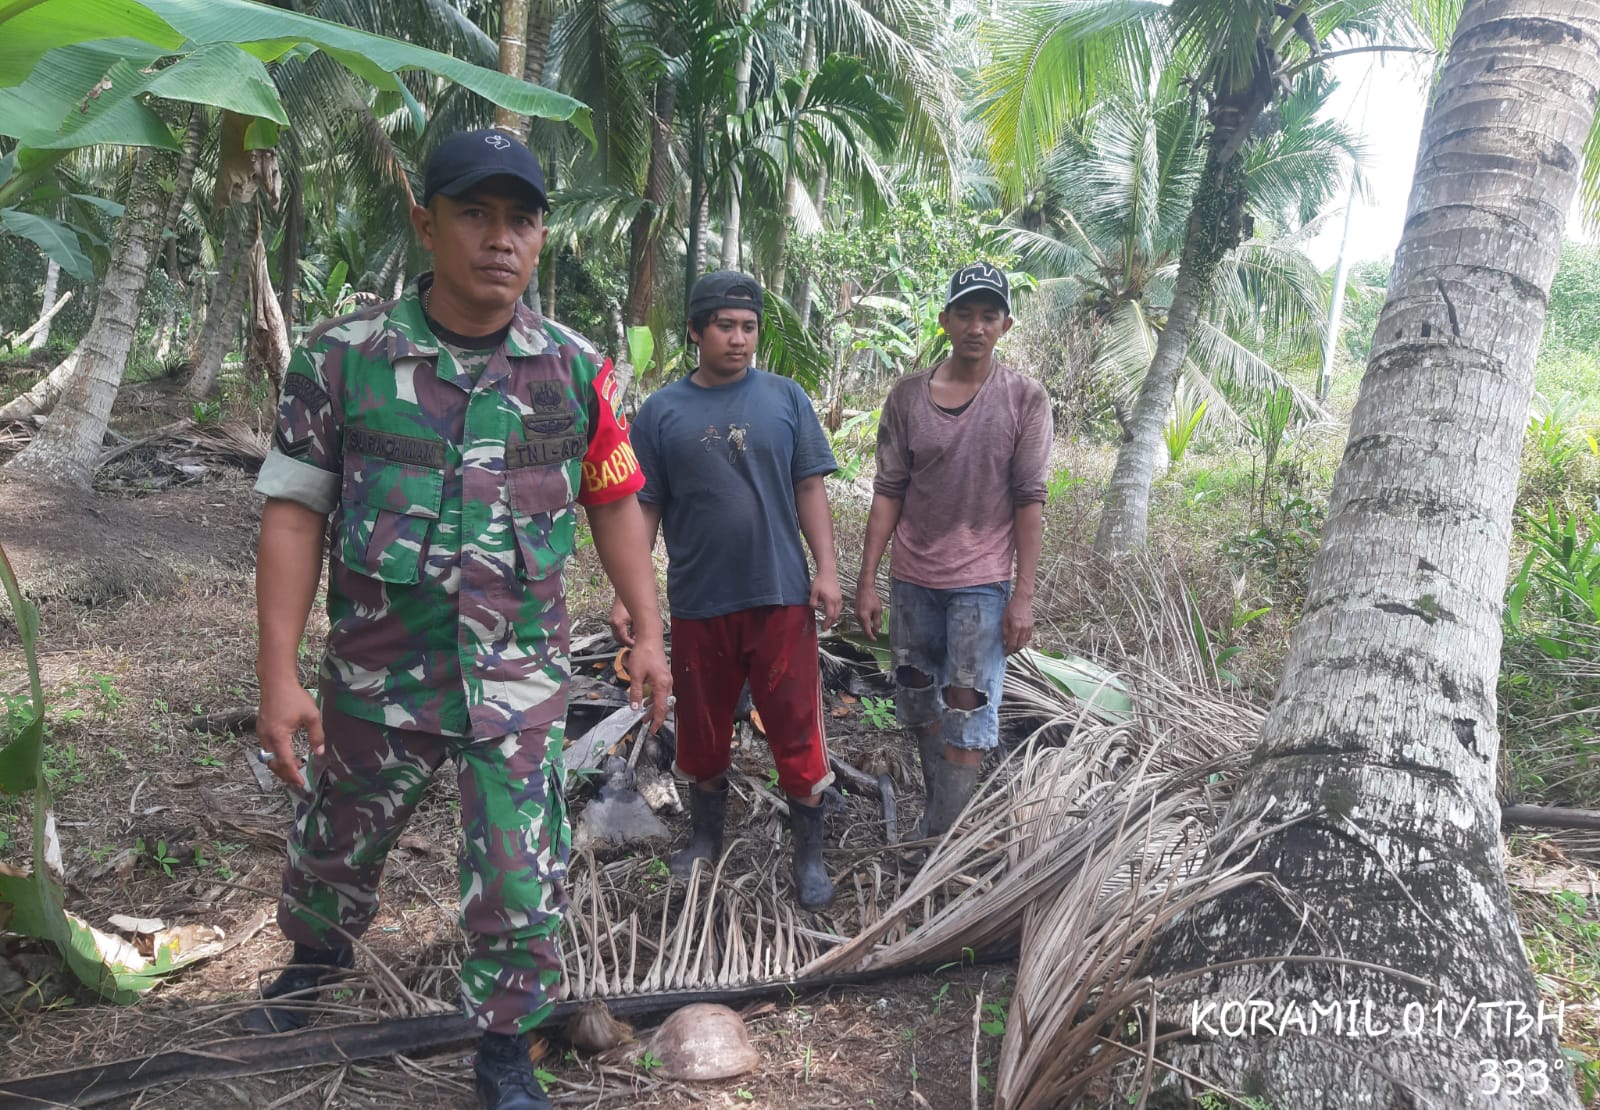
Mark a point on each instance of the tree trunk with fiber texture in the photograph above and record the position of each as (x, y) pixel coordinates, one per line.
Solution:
(289, 251)
(267, 350)
(222, 312)
(1377, 758)
(1215, 227)
(513, 55)
(644, 235)
(541, 16)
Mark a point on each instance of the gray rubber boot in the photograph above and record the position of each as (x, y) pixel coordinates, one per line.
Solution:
(932, 751)
(813, 889)
(952, 788)
(708, 810)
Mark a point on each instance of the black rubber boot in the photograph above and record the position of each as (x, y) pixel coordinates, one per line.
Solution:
(708, 809)
(310, 970)
(952, 787)
(505, 1074)
(813, 889)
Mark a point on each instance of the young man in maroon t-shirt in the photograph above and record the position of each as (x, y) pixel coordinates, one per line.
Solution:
(963, 453)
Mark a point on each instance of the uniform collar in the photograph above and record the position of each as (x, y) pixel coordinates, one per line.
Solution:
(408, 335)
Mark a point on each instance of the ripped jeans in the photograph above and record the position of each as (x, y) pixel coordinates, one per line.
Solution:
(954, 638)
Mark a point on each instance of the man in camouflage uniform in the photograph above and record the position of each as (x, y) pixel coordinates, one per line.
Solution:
(448, 434)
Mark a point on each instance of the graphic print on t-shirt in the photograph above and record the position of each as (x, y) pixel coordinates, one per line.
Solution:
(737, 434)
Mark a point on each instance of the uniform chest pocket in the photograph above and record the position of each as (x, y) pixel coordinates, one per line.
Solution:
(542, 517)
(388, 508)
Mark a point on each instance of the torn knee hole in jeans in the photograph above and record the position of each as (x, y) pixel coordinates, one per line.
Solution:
(954, 694)
(911, 678)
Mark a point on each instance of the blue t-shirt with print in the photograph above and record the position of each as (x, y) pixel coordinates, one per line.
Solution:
(721, 463)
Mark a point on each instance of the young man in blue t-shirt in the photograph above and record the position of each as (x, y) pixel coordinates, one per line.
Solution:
(734, 460)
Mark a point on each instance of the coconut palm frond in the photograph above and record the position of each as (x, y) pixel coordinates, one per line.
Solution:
(1220, 411)
(597, 211)
(1218, 355)
(1270, 288)
(1052, 255)
(1048, 63)
(1126, 344)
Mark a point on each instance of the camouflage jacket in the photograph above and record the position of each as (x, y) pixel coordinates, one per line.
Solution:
(452, 490)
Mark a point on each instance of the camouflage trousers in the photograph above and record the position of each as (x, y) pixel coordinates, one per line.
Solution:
(513, 857)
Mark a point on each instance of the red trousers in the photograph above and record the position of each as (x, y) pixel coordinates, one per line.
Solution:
(774, 647)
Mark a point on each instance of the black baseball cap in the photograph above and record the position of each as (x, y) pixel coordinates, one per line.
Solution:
(979, 277)
(725, 289)
(465, 158)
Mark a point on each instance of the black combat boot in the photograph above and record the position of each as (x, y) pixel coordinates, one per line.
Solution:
(708, 809)
(311, 969)
(505, 1074)
(813, 888)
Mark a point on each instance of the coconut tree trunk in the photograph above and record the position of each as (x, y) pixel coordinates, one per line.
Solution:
(1377, 760)
(222, 312)
(644, 236)
(66, 448)
(547, 288)
(390, 265)
(703, 239)
(41, 331)
(694, 255)
(45, 392)
(731, 217)
(541, 17)
(802, 304)
(791, 169)
(1215, 226)
(513, 55)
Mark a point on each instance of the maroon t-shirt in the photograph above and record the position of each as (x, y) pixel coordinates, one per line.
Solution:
(960, 478)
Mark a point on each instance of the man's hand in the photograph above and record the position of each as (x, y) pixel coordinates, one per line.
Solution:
(647, 666)
(621, 623)
(869, 607)
(826, 597)
(1017, 625)
(281, 712)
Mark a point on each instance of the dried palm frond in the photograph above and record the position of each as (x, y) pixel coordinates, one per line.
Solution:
(632, 932)
(1083, 853)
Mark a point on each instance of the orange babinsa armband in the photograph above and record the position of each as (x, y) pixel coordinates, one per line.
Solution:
(610, 468)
